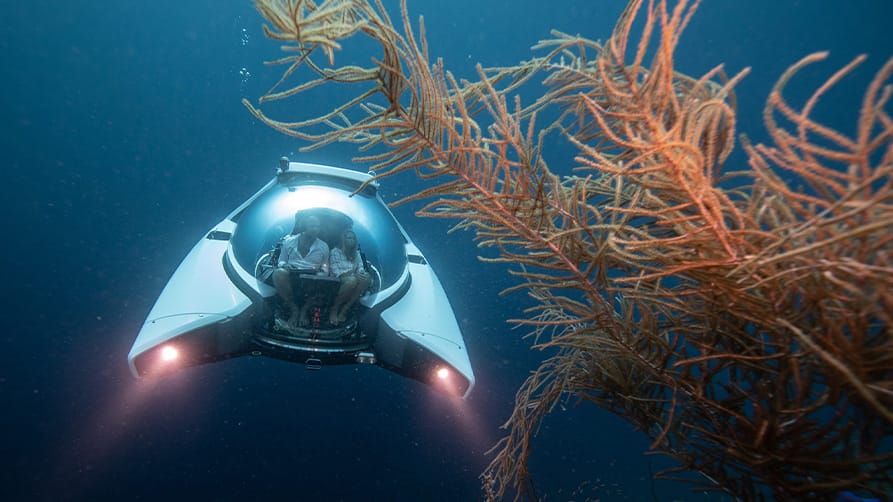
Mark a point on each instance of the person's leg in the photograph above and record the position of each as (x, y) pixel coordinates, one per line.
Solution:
(282, 282)
(358, 286)
(344, 291)
(304, 319)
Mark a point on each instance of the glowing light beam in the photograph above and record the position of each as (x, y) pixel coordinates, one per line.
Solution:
(169, 353)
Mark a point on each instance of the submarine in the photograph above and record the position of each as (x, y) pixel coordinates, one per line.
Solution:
(220, 302)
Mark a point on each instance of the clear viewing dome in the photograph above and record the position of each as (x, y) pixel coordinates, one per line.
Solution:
(272, 215)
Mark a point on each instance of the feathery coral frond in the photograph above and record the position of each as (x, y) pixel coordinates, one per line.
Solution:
(745, 328)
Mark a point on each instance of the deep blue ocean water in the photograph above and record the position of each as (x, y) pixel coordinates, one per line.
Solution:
(124, 140)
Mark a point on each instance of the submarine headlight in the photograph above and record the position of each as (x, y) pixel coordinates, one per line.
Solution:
(443, 373)
(169, 353)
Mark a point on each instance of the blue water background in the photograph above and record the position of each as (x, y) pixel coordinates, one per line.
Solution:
(124, 140)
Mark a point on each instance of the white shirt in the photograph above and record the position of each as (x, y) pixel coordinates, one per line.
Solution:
(339, 264)
(316, 257)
